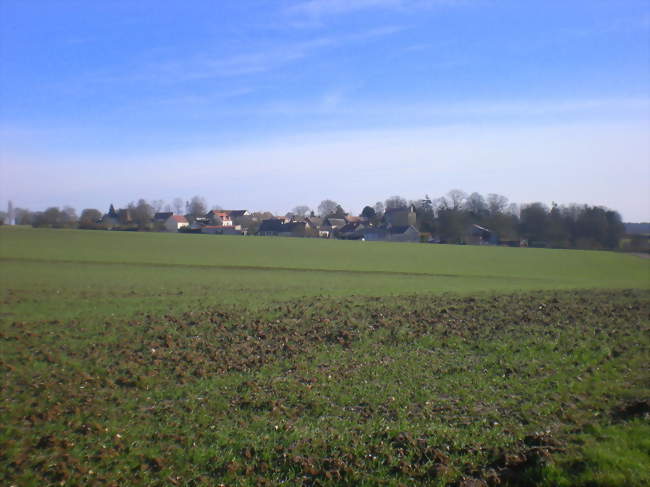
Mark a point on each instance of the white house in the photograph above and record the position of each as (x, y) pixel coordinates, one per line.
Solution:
(175, 222)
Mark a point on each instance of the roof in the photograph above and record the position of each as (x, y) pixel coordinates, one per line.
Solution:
(480, 228)
(401, 229)
(271, 225)
(336, 222)
(178, 218)
(315, 220)
(352, 227)
(162, 215)
(289, 227)
(354, 219)
(236, 213)
(219, 213)
(228, 213)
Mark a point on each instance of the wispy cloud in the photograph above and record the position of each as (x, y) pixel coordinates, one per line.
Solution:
(330, 104)
(324, 8)
(318, 8)
(258, 60)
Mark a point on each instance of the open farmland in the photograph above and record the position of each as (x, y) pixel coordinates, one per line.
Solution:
(157, 359)
(70, 273)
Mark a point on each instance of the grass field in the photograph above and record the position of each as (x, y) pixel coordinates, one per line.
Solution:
(68, 272)
(155, 359)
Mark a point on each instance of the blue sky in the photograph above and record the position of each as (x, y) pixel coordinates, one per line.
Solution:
(270, 104)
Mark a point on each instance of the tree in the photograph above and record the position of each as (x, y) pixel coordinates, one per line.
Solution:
(476, 206)
(327, 208)
(23, 216)
(69, 215)
(533, 224)
(89, 218)
(142, 214)
(339, 212)
(557, 231)
(496, 204)
(615, 229)
(456, 199)
(51, 217)
(301, 211)
(368, 212)
(197, 207)
(379, 209)
(178, 205)
(395, 202)
(157, 205)
(425, 215)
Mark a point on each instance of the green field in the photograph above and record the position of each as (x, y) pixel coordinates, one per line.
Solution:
(119, 272)
(165, 359)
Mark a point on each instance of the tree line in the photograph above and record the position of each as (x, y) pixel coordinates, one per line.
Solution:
(446, 218)
(577, 226)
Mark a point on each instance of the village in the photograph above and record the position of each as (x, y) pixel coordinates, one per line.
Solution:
(395, 225)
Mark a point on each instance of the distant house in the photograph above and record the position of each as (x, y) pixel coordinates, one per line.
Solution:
(356, 219)
(334, 223)
(353, 231)
(478, 235)
(316, 223)
(219, 218)
(278, 227)
(236, 213)
(271, 227)
(116, 218)
(295, 229)
(162, 216)
(330, 226)
(403, 233)
(174, 223)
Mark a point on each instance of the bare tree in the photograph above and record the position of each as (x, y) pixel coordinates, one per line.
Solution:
(475, 204)
(178, 205)
(157, 205)
(379, 209)
(327, 207)
(496, 204)
(301, 211)
(513, 209)
(456, 199)
(197, 207)
(396, 202)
